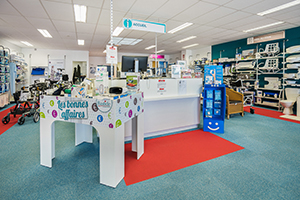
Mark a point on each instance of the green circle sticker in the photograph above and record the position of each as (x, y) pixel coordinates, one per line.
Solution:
(51, 103)
(42, 115)
(127, 104)
(109, 115)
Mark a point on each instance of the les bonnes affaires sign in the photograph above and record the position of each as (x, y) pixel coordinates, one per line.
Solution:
(144, 25)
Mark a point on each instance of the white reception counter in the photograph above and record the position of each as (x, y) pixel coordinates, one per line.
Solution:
(171, 104)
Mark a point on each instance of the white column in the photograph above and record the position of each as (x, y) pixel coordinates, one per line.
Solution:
(47, 142)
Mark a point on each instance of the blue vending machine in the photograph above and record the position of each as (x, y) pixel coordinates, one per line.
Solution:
(214, 99)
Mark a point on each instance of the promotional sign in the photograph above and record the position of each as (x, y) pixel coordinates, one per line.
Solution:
(267, 37)
(157, 56)
(144, 25)
(161, 86)
(213, 74)
(111, 54)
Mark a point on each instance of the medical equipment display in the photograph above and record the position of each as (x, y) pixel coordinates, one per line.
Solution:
(214, 108)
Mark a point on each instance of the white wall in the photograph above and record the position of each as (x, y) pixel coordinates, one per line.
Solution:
(39, 57)
(201, 53)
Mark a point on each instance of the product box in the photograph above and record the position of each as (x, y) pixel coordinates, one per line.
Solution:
(209, 103)
(218, 95)
(217, 111)
(78, 92)
(208, 113)
(217, 104)
(176, 71)
(209, 94)
(133, 81)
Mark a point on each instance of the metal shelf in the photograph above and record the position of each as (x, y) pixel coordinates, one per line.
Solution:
(268, 98)
(267, 104)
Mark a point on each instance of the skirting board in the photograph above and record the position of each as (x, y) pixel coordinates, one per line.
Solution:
(129, 138)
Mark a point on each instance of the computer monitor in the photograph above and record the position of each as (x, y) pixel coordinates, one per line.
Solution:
(128, 63)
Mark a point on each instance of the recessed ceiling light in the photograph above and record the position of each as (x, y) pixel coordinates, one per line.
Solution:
(80, 13)
(150, 47)
(261, 27)
(186, 39)
(185, 25)
(27, 43)
(160, 51)
(117, 31)
(284, 6)
(136, 41)
(192, 45)
(45, 33)
(80, 42)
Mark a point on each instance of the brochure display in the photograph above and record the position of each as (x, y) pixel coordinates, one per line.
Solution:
(108, 115)
(214, 100)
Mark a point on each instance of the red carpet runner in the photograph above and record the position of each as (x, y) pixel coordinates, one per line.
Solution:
(269, 113)
(13, 121)
(170, 153)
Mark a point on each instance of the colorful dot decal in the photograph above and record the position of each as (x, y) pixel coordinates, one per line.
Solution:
(135, 101)
(52, 103)
(94, 107)
(118, 123)
(100, 118)
(111, 125)
(42, 115)
(130, 113)
(127, 104)
(54, 113)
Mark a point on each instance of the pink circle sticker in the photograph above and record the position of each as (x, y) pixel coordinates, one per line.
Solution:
(130, 113)
(54, 113)
(110, 125)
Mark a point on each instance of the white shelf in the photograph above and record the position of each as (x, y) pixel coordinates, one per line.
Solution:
(267, 104)
(163, 98)
(268, 98)
(269, 89)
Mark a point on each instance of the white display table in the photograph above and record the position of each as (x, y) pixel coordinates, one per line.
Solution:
(108, 116)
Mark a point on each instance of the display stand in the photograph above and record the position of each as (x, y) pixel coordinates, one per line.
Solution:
(108, 116)
(214, 99)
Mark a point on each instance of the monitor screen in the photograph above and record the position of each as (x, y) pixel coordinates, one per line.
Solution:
(128, 63)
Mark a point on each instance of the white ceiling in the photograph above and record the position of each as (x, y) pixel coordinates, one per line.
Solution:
(215, 21)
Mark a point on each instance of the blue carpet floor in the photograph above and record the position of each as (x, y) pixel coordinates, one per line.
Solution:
(268, 167)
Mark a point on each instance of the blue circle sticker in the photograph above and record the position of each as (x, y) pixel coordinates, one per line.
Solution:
(100, 118)
(138, 108)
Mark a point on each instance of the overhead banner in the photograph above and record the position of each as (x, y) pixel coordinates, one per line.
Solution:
(144, 25)
(265, 38)
(111, 54)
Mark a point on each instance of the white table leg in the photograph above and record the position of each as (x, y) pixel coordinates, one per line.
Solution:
(83, 133)
(133, 122)
(111, 155)
(139, 135)
(47, 142)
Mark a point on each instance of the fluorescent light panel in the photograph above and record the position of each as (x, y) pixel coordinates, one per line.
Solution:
(27, 43)
(186, 39)
(150, 47)
(80, 42)
(117, 31)
(185, 25)
(160, 51)
(45, 33)
(261, 27)
(284, 6)
(192, 45)
(125, 41)
(80, 13)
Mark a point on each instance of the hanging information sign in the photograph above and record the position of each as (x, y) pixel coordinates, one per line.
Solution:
(144, 25)
(111, 54)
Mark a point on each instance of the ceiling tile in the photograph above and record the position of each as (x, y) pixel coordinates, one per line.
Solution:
(67, 35)
(92, 15)
(90, 3)
(218, 2)
(85, 28)
(16, 21)
(229, 18)
(84, 36)
(103, 30)
(146, 7)
(173, 8)
(211, 16)
(64, 25)
(29, 8)
(59, 11)
(239, 5)
(7, 8)
(193, 11)
(40, 23)
(119, 5)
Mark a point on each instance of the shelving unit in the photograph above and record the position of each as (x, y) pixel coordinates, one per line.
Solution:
(21, 70)
(4, 76)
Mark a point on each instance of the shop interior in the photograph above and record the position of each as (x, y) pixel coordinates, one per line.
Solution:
(138, 99)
